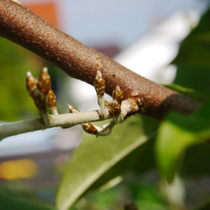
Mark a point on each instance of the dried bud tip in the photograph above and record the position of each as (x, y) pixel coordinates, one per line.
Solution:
(118, 88)
(117, 94)
(45, 69)
(44, 82)
(72, 109)
(28, 74)
(99, 84)
(115, 108)
(31, 84)
(98, 74)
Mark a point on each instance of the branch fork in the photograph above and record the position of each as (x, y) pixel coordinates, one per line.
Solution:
(118, 109)
(45, 99)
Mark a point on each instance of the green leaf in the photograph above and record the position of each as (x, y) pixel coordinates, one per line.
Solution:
(132, 164)
(192, 61)
(15, 61)
(95, 156)
(196, 161)
(10, 200)
(176, 133)
(147, 196)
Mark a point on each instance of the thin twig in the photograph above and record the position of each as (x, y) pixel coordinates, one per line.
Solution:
(20, 25)
(66, 120)
(62, 120)
(71, 119)
(15, 128)
(107, 128)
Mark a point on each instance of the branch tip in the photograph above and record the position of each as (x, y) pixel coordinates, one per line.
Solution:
(118, 94)
(42, 94)
(72, 109)
(45, 69)
(28, 74)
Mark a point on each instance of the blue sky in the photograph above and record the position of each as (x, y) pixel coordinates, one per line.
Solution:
(117, 21)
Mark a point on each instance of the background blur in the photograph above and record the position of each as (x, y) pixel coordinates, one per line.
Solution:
(134, 32)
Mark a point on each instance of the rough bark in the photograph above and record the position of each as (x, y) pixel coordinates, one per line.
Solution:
(20, 25)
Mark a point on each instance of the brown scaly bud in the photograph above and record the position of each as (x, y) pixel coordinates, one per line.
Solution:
(115, 108)
(31, 84)
(118, 95)
(32, 88)
(87, 127)
(44, 82)
(99, 84)
(51, 101)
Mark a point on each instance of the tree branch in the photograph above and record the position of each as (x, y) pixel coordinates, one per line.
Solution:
(62, 120)
(15, 128)
(32, 32)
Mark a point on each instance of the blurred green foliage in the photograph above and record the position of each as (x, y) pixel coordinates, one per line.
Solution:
(145, 196)
(9, 200)
(176, 133)
(14, 63)
(190, 134)
(193, 59)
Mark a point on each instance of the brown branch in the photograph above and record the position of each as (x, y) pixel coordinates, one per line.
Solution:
(20, 25)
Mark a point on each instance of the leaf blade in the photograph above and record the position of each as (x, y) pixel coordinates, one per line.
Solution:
(99, 155)
(176, 133)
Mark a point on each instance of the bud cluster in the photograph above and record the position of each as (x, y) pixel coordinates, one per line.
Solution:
(41, 92)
